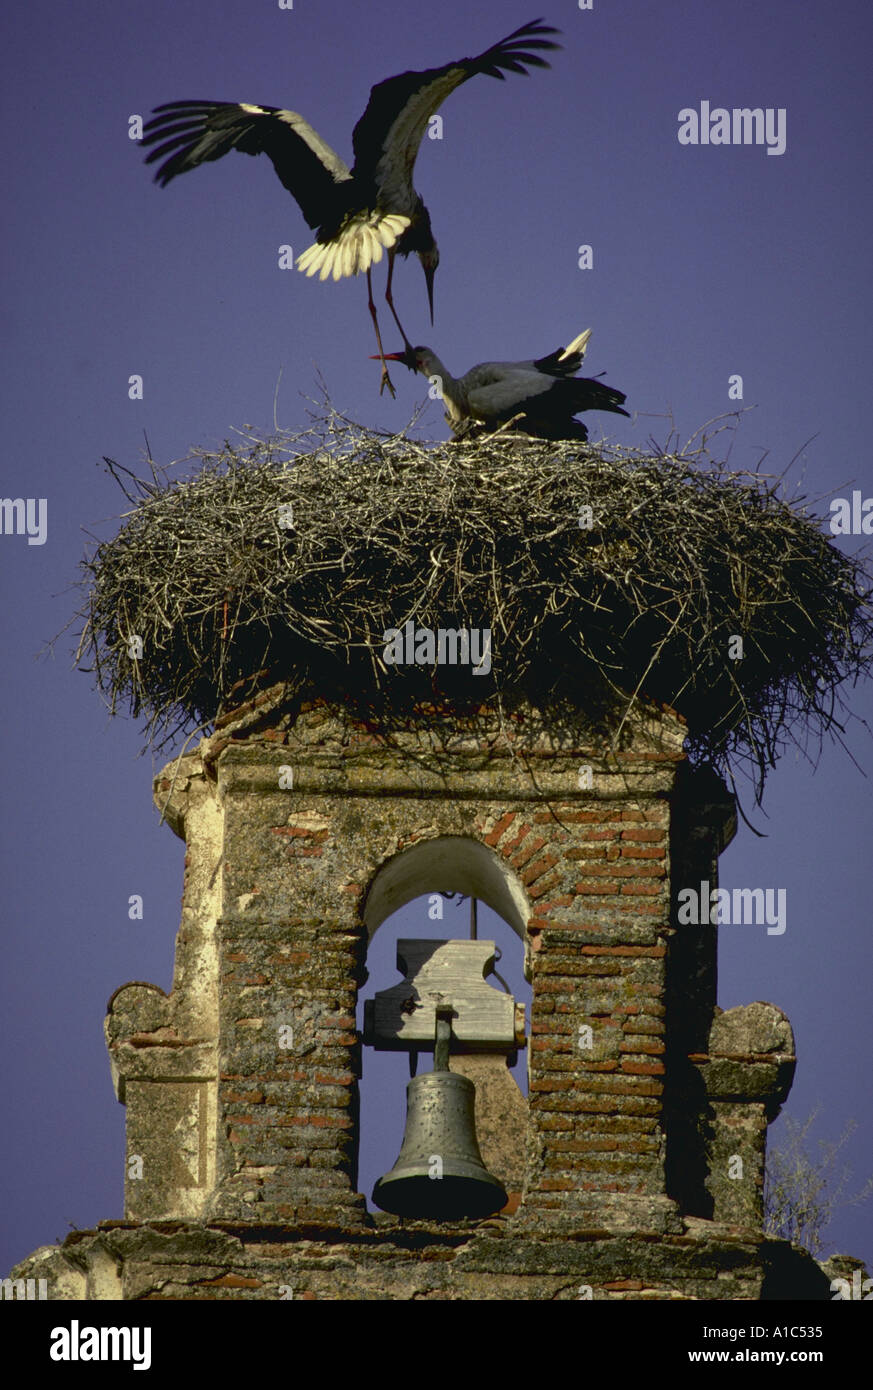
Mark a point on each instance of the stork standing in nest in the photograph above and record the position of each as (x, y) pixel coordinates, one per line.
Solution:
(357, 211)
(540, 397)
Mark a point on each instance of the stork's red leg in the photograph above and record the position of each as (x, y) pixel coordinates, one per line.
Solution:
(390, 300)
(386, 380)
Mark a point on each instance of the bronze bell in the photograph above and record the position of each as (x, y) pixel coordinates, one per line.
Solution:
(439, 1173)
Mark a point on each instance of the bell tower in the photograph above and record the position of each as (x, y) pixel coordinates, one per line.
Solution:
(305, 829)
(366, 751)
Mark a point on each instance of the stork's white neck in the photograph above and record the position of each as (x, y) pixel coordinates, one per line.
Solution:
(451, 390)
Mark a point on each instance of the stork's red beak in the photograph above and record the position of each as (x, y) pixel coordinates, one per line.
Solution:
(407, 358)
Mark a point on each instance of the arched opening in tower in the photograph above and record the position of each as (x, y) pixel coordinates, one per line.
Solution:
(449, 888)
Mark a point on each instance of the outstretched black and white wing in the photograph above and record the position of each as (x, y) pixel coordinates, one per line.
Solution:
(388, 135)
(188, 133)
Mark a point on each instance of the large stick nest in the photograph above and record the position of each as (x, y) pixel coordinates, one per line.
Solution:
(220, 581)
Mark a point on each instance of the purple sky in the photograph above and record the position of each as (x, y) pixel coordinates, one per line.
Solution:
(708, 261)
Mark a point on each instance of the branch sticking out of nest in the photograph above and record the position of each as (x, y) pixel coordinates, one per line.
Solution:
(600, 574)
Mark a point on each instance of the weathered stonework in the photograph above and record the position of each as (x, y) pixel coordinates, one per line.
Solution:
(493, 1259)
(305, 830)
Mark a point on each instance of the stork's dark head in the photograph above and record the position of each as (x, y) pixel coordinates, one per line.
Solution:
(411, 357)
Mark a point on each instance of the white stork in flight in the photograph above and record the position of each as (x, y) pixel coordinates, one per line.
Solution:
(356, 211)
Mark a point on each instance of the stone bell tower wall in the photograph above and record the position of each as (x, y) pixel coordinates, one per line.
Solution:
(242, 1087)
(638, 1153)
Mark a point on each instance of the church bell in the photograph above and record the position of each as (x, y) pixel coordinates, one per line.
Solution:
(439, 1173)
